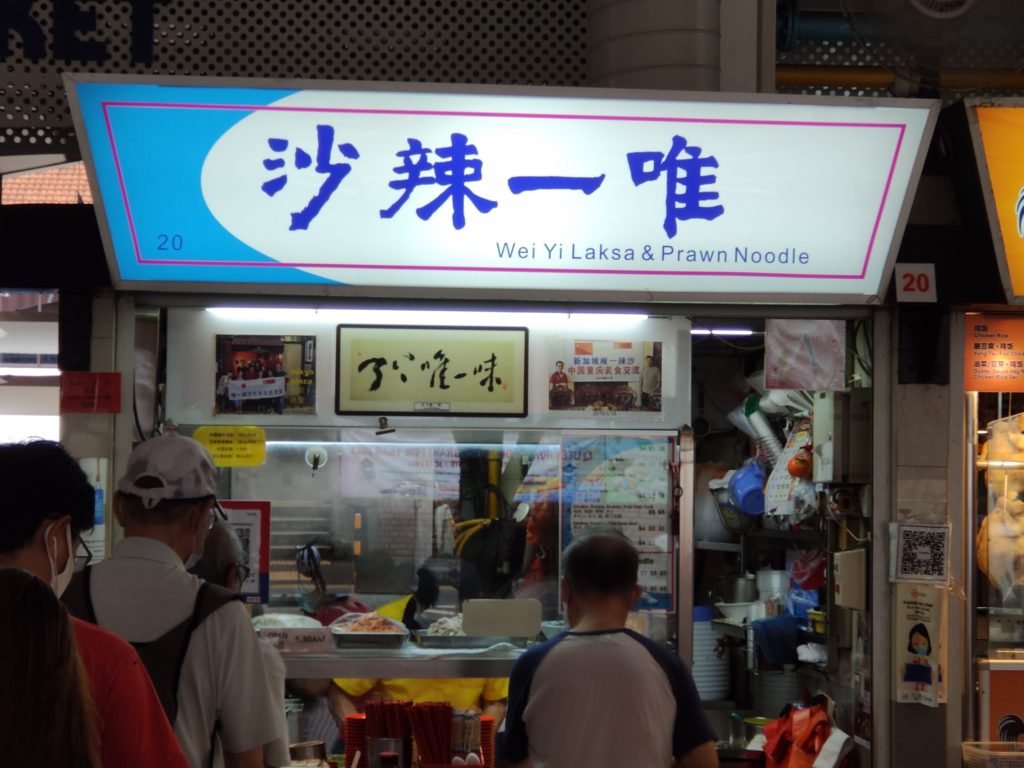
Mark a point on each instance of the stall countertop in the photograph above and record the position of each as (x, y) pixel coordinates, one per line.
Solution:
(409, 661)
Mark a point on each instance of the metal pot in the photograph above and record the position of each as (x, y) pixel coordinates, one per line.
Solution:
(737, 588)
(754, 727)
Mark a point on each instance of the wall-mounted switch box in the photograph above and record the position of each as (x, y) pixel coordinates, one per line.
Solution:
(849, 576)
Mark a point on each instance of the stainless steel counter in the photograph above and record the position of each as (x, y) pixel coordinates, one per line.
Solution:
(402, 662)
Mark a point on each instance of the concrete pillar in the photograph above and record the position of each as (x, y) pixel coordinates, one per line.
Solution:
(657, 44)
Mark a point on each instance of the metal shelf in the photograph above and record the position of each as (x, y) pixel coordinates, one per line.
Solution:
(401, 662)
(718, 546)
(730, 628)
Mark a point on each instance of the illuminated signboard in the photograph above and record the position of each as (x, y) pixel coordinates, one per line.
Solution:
(997, 128)
(375, 189)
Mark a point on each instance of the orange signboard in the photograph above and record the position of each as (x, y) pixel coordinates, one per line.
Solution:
(994, 353)
(1002, 139)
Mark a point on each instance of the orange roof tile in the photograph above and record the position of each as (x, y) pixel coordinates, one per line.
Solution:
(61, 184)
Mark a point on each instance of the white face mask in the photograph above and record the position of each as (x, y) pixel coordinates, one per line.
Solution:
(195, 557)
(59, 581)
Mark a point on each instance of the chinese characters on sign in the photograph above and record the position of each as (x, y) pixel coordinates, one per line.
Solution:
(994, 354)
(383, 369)
(458, 166)
(234, 446)
(457, 191)
(436, 366)
(90, 392)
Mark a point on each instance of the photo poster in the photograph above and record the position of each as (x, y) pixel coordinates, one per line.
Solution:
(625, 483)
(266, 375)
(604, 376)
(919, 653)
(250, 521)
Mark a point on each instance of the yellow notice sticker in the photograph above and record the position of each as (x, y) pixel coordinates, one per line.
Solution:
(234, 446)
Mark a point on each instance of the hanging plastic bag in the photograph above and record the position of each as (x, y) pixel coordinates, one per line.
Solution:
(807, 737)
(800, 601)
(808, 570)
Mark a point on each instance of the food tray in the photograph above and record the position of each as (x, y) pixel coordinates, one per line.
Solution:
(454, 642)
(343, 639)
(993, 754)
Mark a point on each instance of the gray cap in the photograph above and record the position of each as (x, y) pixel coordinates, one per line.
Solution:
(178, 467)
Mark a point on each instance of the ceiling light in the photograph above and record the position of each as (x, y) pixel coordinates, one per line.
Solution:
(721, 332)
(27, 371)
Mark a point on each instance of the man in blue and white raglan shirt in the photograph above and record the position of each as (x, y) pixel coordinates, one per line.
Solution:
(601, 695)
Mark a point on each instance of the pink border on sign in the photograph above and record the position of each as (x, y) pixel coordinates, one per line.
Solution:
(106, 105)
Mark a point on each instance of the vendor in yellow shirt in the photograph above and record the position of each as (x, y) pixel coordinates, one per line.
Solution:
(484, 694)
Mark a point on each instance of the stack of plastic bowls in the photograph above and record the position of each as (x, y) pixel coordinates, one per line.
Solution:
(710, 673)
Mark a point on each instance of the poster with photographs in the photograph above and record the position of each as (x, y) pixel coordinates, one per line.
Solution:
(266, 375)
(605, 376)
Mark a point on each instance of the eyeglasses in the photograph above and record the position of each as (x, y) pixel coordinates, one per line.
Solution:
(81, 561)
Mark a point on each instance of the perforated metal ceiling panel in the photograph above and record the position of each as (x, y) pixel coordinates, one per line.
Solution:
(522, 42)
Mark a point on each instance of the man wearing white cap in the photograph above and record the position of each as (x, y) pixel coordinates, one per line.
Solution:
(195, 638)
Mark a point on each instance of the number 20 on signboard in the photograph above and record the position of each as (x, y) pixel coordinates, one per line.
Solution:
(916, 283)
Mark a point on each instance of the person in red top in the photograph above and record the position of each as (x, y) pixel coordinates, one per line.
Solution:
(48, 502)
(53, 720)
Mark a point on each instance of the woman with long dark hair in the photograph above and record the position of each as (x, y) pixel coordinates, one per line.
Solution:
(46, 711)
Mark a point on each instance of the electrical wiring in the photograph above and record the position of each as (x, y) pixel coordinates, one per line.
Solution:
(466, 529)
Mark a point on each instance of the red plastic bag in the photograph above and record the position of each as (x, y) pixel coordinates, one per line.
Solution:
(795, 739)
(808, 570)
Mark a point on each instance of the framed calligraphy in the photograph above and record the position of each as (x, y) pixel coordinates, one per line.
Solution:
(431, 371)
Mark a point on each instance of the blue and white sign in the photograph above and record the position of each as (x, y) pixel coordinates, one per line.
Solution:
(550, 192)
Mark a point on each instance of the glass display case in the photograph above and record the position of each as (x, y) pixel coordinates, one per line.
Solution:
(997, 521)
(368, 516)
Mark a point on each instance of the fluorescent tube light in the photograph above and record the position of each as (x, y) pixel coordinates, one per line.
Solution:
(424, 317)
(721, 332)
(27, 371)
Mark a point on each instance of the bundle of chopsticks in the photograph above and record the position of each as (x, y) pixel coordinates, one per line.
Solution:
(388, 719)
(465, 732)
(432, 729)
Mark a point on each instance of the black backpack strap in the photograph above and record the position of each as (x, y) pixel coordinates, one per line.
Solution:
(77, 598)
(165, 656)
(209, 598)
(213, 742)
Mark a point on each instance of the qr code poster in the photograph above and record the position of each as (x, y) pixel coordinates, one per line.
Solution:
(250, 520)
(920, 553)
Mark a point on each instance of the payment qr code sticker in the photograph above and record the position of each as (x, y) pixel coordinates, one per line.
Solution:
(920, 553)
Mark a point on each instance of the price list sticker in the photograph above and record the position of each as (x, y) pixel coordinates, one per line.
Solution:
(646, 526)
(994, 354)
(655, 575)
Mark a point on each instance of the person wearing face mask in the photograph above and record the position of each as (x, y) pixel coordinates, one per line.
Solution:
(48, 503)
(194, 637)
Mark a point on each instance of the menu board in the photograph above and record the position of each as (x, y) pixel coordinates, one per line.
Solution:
(994, 354)
(624, 483)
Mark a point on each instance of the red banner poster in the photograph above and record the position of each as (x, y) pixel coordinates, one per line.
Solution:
(90, 392)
